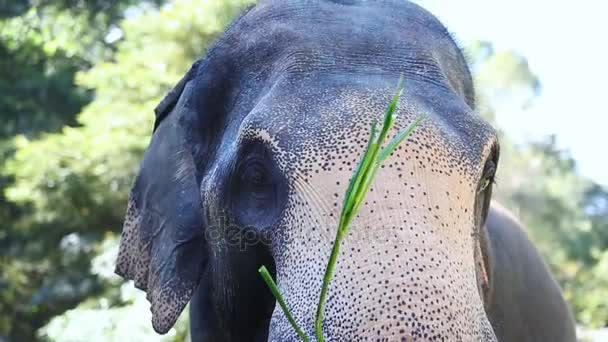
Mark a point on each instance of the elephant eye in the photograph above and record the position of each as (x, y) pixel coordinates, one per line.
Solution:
(484, 191)
(255, 175)
(258, 188)
(254, 182)
(488, 177)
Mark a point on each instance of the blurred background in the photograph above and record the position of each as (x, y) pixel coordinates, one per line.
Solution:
(79, 80)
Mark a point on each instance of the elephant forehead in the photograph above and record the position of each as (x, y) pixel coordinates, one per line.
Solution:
(320, 130)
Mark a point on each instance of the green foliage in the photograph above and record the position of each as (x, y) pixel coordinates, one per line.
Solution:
(122, 313)
(42, 47)
(112, 8)
(501, 71)
(70, 187)
(81, 175)
(40, 52)
(566, 214)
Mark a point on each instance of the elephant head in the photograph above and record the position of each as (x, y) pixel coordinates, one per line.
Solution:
(250, 160)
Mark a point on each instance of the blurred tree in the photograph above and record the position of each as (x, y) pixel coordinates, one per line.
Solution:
(43, 44)
(75, 192)
(41, 50)
(39, 55)
(111, 8)
(566, 214)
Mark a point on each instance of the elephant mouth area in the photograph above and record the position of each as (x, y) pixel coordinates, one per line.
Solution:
(388, 313)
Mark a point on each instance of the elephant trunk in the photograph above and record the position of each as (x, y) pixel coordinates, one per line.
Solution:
(406, 271)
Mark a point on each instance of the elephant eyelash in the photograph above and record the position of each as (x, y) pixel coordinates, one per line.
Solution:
(487, 183)
(489, 177)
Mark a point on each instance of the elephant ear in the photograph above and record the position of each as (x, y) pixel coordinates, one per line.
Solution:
(162, 246)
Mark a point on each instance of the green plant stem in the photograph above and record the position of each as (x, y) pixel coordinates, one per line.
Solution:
(329, 272)
(279, 297)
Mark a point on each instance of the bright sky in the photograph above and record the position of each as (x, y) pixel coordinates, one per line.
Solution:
(566, 44)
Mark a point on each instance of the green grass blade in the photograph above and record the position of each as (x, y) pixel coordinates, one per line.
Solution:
(371, 161)
(366, 185)
(279, 297)
(389, 114)
(359, 173)
(399, 138)
(329, 272)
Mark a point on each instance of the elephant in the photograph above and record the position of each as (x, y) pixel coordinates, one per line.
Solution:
(249, 163)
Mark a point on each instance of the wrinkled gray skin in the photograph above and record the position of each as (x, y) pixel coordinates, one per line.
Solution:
(249, 163)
